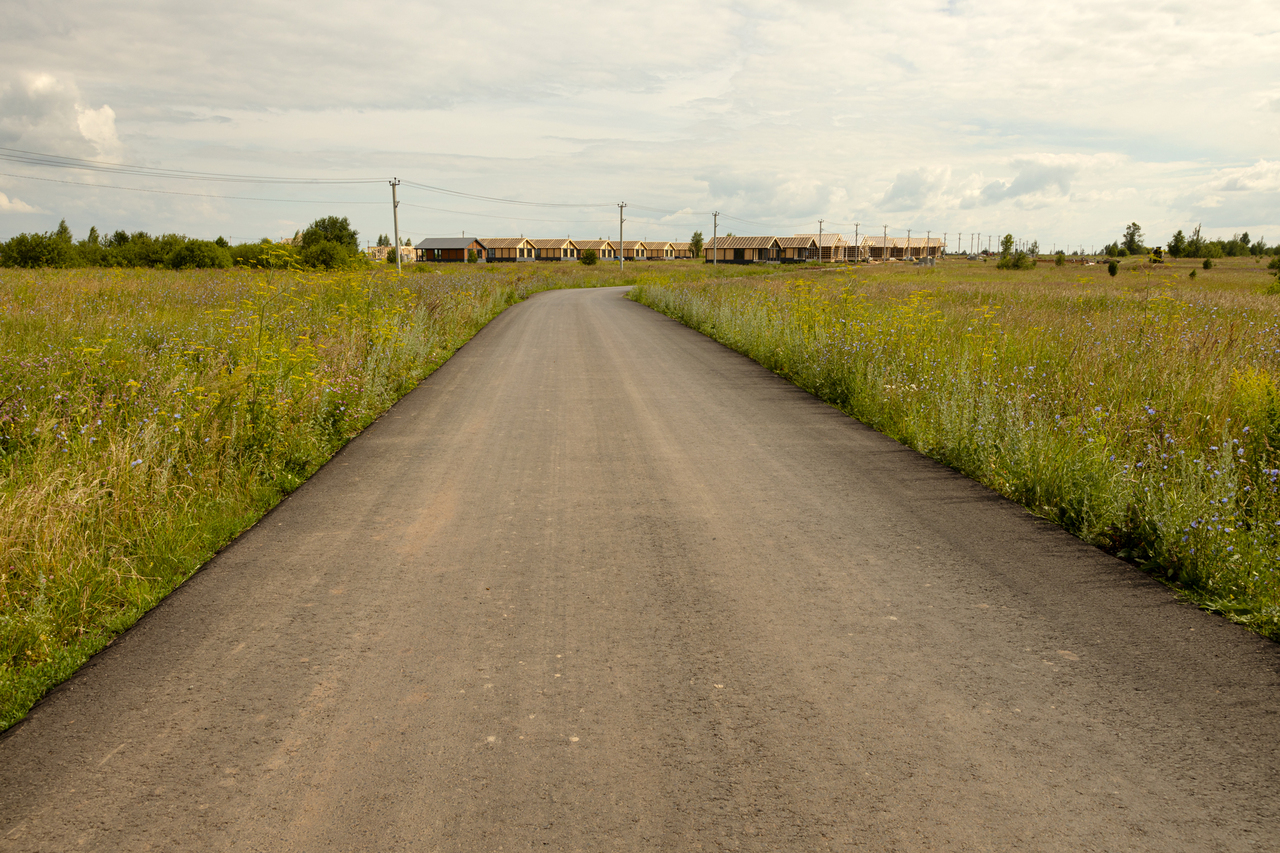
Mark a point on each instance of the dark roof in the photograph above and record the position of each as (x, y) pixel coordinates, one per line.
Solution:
(447, 243)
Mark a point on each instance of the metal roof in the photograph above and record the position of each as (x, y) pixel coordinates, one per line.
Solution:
(503, 242)
(447, 243)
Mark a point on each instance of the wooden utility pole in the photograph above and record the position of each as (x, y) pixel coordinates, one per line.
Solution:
(395, 219)
(622, 252)
(715, 226)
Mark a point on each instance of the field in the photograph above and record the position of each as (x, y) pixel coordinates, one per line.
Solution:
(147, 417)
(1140, 412)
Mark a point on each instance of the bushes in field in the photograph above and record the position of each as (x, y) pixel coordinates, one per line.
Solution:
(328, 243)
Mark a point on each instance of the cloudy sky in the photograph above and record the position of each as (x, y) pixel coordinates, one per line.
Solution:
(1055, 122)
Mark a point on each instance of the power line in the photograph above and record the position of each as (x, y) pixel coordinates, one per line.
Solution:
(57, 161)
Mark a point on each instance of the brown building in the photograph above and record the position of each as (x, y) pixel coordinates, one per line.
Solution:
(683, 251)
(798, 249)
(633, 250)
(448, 249)
(555, 250)
(507, 249)
(658, 251)
(605, 249)
(743, 250)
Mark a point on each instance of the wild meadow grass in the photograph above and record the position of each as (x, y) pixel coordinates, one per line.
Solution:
(1141, 413)
(147, 417)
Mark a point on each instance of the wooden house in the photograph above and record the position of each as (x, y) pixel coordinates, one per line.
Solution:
(831, 246)
(743, 250)
(633, 250)
(797, 249)
(507, 249)
(562, 249)
(447, 249)
(658, 251)
(682, 251)
(605, 249)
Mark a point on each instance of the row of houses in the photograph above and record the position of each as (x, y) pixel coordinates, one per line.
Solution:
(727, 250)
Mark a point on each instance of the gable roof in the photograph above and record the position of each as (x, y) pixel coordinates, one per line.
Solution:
(799, 241)
(504, 242)
(743, 243)
(558, 243)
(594, 244)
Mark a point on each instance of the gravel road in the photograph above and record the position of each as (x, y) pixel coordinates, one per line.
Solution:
(600, 584)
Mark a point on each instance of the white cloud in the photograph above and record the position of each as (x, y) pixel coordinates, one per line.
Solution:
(42, 113)
(14, 205)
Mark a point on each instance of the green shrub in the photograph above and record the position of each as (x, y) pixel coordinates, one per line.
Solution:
(589, 257)
(1060, 260)
(1208, 263)
(1113, 267)
(328, 255)
(199, 254)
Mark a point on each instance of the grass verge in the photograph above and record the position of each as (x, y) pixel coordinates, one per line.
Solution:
(1141, 413)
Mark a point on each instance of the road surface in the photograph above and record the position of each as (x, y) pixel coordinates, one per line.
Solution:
(600, 584)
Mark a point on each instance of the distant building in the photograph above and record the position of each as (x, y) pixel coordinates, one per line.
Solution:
(743, 250)
(507, 249)
(658, 251)
(562, 249)
(448, 249)
(605, 249)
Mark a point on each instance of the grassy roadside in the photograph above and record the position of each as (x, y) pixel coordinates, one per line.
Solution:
(148, 417)
(1142, 413)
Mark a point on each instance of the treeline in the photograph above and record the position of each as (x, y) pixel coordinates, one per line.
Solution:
(1194, 246)
(327, 243)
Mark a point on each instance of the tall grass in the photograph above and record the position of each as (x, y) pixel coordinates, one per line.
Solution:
(1141, 414)
(147, 417)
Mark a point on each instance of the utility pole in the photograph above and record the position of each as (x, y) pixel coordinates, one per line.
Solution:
(927, 248)
(715, 225)
(857, 247)
(820, 221)
(621, 251)
(884, 244)
(395, 219)
(909, 244)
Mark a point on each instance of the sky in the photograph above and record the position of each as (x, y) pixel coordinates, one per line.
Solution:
(1059, 123)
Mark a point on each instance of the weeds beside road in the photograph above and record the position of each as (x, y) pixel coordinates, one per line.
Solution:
(1140, 413)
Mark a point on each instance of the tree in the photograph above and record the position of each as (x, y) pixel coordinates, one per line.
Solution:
(1178, 244)
(695, 244)
(199, 254)
(1195, 245)
(332, 229)
(1060, 260)
(1113, 267)
(326, 254)
(63, 233)
(1133, 238)
(588, 257)
(221, 242)
(383, 240)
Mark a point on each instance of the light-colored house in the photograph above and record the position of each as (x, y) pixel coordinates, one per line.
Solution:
(797, 249)
(743, 250)
(658, 251)
(507, 249)
(605, 249)
(560, 249)
(448, 249)
(832, 246)
(899, 248)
